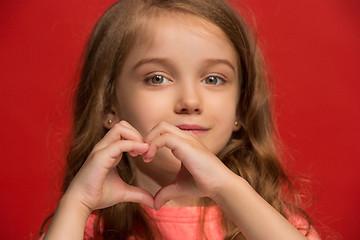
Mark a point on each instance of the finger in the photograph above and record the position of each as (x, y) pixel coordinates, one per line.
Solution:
(130, 127)
(167, 193)
(115, 190)
(162, 128)
(121, 130)
(111, 155)
(168, 140)
(165, 135)
(126, 124)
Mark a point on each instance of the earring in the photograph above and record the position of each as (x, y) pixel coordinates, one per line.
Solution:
(236, 123)
(109, 121)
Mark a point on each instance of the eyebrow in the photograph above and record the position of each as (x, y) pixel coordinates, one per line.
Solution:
(161, 61)
(214, 61)
(168, 63)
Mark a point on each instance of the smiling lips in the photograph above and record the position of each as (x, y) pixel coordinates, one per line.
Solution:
(195, 129)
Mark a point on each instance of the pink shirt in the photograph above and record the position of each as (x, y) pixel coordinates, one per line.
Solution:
(179, 223)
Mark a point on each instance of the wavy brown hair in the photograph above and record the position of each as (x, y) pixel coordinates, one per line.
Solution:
(251, 152)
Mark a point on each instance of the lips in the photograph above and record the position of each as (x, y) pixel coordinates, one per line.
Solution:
(195, 129)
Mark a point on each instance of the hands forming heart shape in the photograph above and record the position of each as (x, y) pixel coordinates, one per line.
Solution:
(98, 185)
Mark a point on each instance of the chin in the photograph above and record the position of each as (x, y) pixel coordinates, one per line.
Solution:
(167, 161)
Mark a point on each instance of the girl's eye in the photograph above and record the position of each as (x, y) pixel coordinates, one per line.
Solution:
(213, 80)
(157, 80)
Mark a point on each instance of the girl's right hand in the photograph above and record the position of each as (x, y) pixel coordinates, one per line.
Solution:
(97, 185)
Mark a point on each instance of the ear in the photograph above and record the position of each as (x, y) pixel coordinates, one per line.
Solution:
(110, 118)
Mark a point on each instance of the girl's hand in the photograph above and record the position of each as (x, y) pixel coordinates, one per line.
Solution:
(201, 174)
(97, 185)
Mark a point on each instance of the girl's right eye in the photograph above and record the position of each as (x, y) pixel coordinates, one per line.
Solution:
(157, 80)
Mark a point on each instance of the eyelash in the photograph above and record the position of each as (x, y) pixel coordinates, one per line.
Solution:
(156, 76)
(214, 77)
(149, 80)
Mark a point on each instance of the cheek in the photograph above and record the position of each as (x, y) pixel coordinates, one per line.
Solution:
(225, 107)
(224, 112)
(142, 112)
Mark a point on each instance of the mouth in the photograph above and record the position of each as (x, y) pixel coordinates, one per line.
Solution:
(195, 129)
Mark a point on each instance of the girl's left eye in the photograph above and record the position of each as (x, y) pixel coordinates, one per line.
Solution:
(157, 80)
(213, 80)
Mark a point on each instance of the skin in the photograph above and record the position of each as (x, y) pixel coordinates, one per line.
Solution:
(196, 66)
(172, 159)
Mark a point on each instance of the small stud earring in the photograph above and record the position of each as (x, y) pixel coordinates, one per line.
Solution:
(236, 123)
(109, 121)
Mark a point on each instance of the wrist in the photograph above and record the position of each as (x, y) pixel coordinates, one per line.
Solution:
(69, 220)
(230, 187)
(72, 205)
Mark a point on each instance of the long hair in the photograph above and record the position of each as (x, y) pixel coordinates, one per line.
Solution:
(250, 153)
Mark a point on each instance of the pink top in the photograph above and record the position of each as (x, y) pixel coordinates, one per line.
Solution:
(178, 223)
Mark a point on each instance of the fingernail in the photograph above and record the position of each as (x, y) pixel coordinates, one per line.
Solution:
(147, 160)
(143, 145)
(133, 154)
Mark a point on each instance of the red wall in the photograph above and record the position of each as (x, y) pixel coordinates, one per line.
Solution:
(314, 51)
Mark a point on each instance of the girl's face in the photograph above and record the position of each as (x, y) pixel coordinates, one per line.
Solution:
(182, 71)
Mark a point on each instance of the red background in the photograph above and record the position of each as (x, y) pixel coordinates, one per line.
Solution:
(313, 49)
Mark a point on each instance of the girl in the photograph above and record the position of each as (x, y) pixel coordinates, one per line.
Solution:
(172, 134)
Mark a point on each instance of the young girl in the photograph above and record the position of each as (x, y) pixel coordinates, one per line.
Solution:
(172, 134)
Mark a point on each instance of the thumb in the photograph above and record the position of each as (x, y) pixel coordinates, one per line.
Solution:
(167, 193)
(138, 195)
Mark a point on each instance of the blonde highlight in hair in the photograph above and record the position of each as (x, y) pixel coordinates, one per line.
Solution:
(251, 152)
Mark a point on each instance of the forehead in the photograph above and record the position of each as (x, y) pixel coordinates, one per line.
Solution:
(166, 32)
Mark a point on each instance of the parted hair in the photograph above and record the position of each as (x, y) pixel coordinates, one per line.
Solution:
(251, 152)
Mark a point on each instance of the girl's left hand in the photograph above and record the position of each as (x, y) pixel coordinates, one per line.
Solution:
(201, 174)
(204, 175)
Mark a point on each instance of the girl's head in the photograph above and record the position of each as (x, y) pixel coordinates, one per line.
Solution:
(183, 70)
(192, 62)
(142, 39)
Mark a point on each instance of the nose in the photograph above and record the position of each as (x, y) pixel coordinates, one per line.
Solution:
(189, 101)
